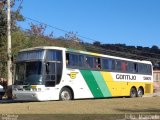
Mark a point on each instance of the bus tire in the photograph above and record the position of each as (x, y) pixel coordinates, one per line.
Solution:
(140, 92)
(133, 92)
(1, 96)
(65, 94)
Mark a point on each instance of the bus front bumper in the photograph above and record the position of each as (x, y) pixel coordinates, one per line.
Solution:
(30, 96)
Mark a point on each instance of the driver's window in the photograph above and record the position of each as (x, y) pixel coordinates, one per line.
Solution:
(53, 67)
(50, 68)
(50, 74)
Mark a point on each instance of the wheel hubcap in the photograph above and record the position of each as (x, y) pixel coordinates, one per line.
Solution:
(139, 93)
(65, 95)
(133, 93)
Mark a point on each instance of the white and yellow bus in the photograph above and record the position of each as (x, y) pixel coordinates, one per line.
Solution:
(56, 73)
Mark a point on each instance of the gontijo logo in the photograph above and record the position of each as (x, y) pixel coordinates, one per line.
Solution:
(73, 75)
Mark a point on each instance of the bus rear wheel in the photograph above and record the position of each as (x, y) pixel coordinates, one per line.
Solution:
(133, 92)
(140, 92)
(66, 94)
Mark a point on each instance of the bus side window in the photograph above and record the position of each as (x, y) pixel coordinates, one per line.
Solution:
(118, 66)
(73, 60)
(144, 69)
(86, 63)
(135, 67)
(141, 68)
(124, 66)
(149, 69)
(97, 63)
(89, 62)
(81, 61)
(67, 59)
(108, 64)
(130, 67)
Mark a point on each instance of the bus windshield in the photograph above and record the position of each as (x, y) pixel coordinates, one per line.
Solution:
(28, 73)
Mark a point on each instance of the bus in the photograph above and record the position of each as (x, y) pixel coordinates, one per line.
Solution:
(56, 73)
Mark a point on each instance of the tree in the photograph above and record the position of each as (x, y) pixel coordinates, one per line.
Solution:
(15, 16)
(72, 36)
(154, 49)
(139, 48)
(36, 29)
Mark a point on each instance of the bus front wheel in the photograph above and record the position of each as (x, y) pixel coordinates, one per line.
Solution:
(66, 94)
(1, 97)
(133, 92)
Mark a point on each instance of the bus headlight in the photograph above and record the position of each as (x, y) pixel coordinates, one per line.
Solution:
(36, 88)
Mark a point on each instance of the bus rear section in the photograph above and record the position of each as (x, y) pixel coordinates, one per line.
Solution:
(100, 76)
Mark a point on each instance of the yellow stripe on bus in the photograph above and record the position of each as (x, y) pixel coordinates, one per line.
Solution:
(118, 88)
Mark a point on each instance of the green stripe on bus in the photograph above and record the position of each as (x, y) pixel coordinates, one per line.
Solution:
(92, 84)
(101, 83)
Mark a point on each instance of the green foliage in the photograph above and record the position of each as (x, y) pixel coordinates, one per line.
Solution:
(15, 16)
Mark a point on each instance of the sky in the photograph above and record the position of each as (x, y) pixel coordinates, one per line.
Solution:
(130, 22)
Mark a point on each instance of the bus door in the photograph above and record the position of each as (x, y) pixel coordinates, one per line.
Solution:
(53, 68)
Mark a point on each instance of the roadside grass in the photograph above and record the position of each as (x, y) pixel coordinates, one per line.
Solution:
(147, 105)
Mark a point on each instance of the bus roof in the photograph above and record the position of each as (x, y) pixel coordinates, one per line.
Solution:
(85, 52)
(42, 47)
